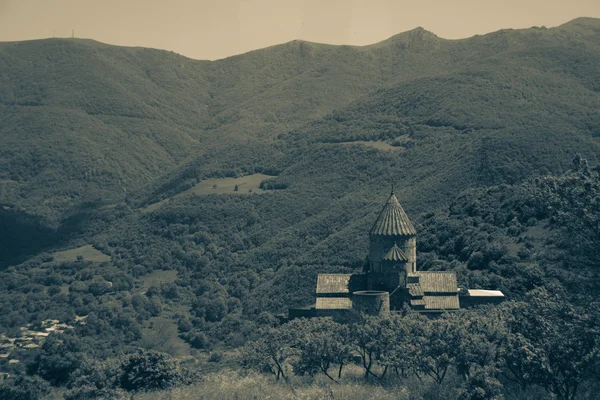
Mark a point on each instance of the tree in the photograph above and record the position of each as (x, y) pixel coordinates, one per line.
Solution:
(552, 344)
(24, 388)
(96, 380)
(58, 359)
(438, 349)
(373, 337)
(482, 384)
(573, 203)
(321, 343)
(148, 370)
(480, 337)
(271, 351)
(404, 350)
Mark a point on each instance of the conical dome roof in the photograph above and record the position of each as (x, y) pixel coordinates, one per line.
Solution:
(395, 254)
(392, 220)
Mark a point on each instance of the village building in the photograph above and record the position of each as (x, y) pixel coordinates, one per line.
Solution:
(392, 281)
(30, 338)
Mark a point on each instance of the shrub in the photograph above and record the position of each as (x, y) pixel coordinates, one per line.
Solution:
(184, 325)
(24, 388)
(148, 370)
(215, 357)
(58, 359)
(198, 340)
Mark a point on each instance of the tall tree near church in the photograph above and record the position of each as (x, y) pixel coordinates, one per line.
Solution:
(552, 344)
(573, 201)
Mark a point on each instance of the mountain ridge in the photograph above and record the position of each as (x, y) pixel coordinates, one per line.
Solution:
(581, 22)
(119, 119)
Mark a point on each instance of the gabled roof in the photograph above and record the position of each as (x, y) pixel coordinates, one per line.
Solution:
(449, 302)
(395, 254)
(392, 220)
(417, 302)
(436, 281)
(415, 290)
(333, 283)
(333, 303)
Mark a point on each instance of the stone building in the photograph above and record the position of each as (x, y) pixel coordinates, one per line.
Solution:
(392, 279)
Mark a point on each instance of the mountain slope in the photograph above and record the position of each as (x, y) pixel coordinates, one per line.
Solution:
(149, 109)
(526, 106)
(484, 110)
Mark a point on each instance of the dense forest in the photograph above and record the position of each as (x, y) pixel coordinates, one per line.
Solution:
(155, 284)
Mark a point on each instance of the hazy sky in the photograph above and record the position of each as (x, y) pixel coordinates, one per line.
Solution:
(215, 29)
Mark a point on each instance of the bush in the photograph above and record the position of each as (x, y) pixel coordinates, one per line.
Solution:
(24, 388)
(215, 357)
(148, 370)
(198, 340)
(184, 325)
(58, 359)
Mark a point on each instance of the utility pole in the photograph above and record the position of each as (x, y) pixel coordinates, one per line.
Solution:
(73, 34)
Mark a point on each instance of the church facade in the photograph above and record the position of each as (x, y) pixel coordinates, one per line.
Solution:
(392, 280)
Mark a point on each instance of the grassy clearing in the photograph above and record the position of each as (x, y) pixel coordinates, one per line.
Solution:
(230, 385)
(161, 334)
(158, 277)
(246, 185)
(87, 252)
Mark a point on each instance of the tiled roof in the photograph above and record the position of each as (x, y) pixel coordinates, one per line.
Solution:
(415, 289)
(333, 303)
(333, 283)
(417, 302)
(395, 254)
(393, 221)
(436, 281)
(449, 302)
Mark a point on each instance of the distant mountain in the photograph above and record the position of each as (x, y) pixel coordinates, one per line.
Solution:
(480, 111)
(88, 123)
(83, 120)
(489, 110)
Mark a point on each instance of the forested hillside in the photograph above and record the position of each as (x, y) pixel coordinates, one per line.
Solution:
(86, 120)
(107, 223)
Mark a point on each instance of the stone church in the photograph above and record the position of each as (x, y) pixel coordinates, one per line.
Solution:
(392, 279)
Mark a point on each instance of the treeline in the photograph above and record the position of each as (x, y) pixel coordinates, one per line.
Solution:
(544, 344)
